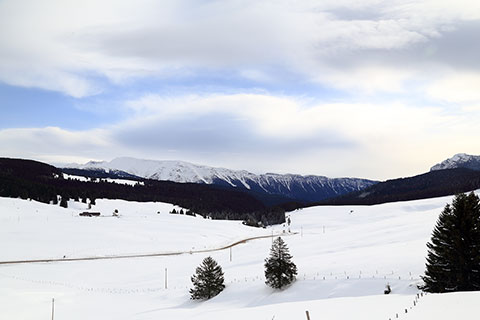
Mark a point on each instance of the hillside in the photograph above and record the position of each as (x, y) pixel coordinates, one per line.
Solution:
(42, 182)
(345, 257)
(435, 183)
(296, 187)
(460, 160)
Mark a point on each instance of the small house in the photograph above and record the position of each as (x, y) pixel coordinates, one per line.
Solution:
(90, 214)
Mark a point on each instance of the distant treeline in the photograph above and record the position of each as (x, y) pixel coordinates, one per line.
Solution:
(29, 179)
(269, 200)
(428, 185)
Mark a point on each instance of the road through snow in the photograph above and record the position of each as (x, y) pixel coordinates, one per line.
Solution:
(162, 254)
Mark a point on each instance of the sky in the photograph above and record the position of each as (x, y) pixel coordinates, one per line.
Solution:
(372, 89)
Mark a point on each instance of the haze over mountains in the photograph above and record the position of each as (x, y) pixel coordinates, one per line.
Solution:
(302, 188)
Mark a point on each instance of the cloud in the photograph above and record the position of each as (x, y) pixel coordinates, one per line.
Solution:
(289, 134)
(457, 87)
(53, 144)
(48, 79)
(64, 46)
(331, 87)
(376, 140)
(287, 117)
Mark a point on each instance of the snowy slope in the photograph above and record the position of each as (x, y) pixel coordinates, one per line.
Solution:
(460, 160)
(117, 181)
(307, 188)
(345, 257)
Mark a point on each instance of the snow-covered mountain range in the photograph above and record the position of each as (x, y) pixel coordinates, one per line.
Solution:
(460, 160)
(305, 188)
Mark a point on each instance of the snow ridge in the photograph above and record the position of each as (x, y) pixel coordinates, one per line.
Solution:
(460, 160)
(310, 187)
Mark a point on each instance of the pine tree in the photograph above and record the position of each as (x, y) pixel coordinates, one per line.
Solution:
(208, 280)
(279, 269)
(63, 202)
(453, 260)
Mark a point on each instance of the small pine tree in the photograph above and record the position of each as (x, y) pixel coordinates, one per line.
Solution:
(63, 202)
(279, 269)
(453, 260)
(208, 280)
(388, 289)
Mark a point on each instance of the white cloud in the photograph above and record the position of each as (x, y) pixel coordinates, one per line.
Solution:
(288, 135)
(457, 87)
(285, 134)
(63, 45)
(54, 144)
(417, 50)
(290, 117)
(369, 78)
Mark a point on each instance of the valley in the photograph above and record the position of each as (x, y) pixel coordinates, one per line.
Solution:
(345, 257)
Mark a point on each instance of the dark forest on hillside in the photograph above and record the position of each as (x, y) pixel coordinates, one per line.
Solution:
(29, 179)
(428, 185)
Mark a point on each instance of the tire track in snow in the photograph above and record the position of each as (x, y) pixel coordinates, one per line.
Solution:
(147, 255)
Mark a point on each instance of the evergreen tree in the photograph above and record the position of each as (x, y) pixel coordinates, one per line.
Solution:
(279, 269)
(453, 260)
(63, 202)
(208, 280)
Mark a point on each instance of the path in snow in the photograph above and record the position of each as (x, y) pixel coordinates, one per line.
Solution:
(148, 254)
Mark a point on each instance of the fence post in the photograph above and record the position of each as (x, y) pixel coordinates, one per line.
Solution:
(166, 278)
(53, 307)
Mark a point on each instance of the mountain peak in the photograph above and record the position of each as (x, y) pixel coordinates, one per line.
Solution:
(307, 188)
(459, 160)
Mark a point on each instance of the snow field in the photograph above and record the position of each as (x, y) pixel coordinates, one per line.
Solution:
(345, 257)
(140, 229)
(118, 181)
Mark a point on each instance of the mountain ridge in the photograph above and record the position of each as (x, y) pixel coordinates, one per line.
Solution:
(432, 184)
(30, 179)
(305, 188)
(459, 160)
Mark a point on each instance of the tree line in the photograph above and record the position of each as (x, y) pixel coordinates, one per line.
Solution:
(38, 181)
(433, 184)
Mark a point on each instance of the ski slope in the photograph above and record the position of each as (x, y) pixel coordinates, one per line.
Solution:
(345, 257)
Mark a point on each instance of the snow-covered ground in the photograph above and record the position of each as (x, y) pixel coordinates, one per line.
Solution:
(118, 181)
(345, 257)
